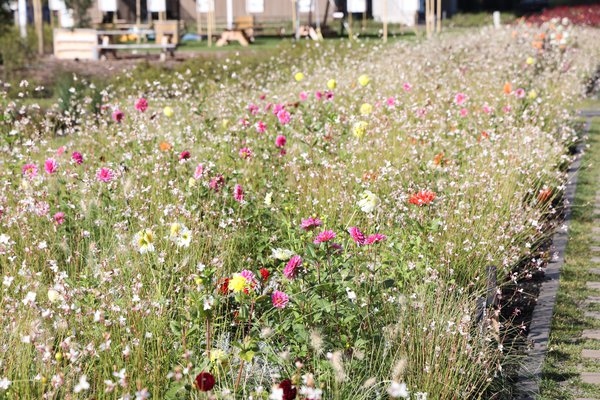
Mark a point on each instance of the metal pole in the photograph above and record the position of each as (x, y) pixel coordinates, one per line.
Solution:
(230, 14)
(439, 16)
(385, 21)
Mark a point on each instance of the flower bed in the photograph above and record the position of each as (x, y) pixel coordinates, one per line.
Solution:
(587, 15)
(315, 226)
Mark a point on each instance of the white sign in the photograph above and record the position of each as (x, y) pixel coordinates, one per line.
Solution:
(255, 6)
(306, 6)
(205, 6)
(66, 18)
(157, 5)
(107, 5)
(56, 5)
(357, 6)
(403, 12)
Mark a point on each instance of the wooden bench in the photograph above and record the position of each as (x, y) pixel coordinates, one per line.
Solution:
(243, 32)
(106, 46)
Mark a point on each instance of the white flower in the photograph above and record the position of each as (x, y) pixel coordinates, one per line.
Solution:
(4, 383)
(144, 241)
(53, 295)
(82, 385)
(420, 396)
(208, 302)
(282, 254)
(351, 294)
(276, 394)
(311, 393)
(268, 198)
(180, 235)
(30, 298)
(368, 201)
(397, 390)
(142, 394)
(4, 239)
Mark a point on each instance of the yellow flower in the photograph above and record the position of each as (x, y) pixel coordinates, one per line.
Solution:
(191, 182)
(364, 80)
(366, 109)
(225, 123)
(175, 229)
(168, 111)
(218, 355)
(532, 94)
(530, 61)
(299, 76)
(331, 84)
(237, 283)
(359, 129)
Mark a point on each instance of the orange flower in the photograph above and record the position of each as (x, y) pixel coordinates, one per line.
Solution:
(544, 195)
(507, 88)
(165, 146)
(422, 198)
(537, 44)
(437, 160)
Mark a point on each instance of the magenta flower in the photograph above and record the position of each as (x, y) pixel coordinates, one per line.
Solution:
(460, 99)
(464, 112)
(199, 171)
(284, 117)
(280, 141)
(391, 102)
(245, 153)
(279, 299)
(303, 96)
(30, 170)
(261, 127)
(277, 108)
(141, 104)
(118, 116)
(253, 109)
(324, 237)
(77, 157)
(310, 223)
(59, 217)
(291, 269)
(520, 93)
(238, 193)
(105, 174)
(376, 238)
(357, 235)
(318, 95)
(184, 155)
(487, 109)
(407, 87)
(50, 166)
(216, 183)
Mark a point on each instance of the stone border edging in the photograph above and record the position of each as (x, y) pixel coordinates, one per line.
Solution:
(530, 372)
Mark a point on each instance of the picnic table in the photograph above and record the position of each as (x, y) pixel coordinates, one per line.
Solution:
(106, 45)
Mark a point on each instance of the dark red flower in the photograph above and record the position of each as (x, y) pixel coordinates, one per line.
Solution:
(264, 273)
(184, 155)
(289, 391)
(205, 381)
(223, 285)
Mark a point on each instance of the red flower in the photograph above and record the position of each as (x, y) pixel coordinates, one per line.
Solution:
(264, 273)
(422, 198)
(184, 155)
(223, 285)
(205, 381)
(289, 391)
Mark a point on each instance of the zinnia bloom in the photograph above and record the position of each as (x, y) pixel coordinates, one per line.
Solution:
(105, 174)
(520, 93)
(291, 269)
(280, 141)
(284, 117)
(77, 157)
(50, 166)
(245, 153)
(324, 237)
(199, 171)
(118, 115)
(364, 80)
(366, 109)
(357, 235)
(310, 223)
(168, 112)
(359, 129)
(422, 198)
(331, 84)
(205, 381)
(376, 238)
(261, 127)
(30, 170)
(184, 155)
(238, 193)
(59, 217)
(237, 283)
(279, 299)
(141, 104)
(264, 273)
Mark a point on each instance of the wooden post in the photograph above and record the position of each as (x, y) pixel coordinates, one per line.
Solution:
(385, 21)
(138, 19)
(198, 22)
(350, 25)
(39, 24)
(364, 21)
(439, 16)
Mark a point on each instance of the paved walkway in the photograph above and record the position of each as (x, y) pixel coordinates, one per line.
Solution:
(591, 352)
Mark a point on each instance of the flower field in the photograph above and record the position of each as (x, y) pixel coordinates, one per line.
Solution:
(316, 226)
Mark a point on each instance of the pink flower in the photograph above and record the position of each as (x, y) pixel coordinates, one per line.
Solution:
(261, 127)
(487, 109)
(506, 109)
(460, 99)
(59, 218)
(279, 299)
(291, 269)
(324, 236)
(30, 170)
(357, 235)
(184, 155)
(118, 115)
(318, 95)
(284, 117)
(50, 166)
(245, 153)
(376, 238)
(77, 157)
(105, 174)
(464, 112)
(520, 93)
(391, 102)
(238, 193)
(303, 96)
(253, 109)
(407, 87)
(199, 171)
(250, 278)
(141, 104)
(280, 141)
(310, 223)
(60, 150)
(278, 107)
(217, 182)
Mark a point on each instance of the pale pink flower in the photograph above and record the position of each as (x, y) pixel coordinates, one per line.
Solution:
(50, 166)
(520, 93)
(310, 223)
(245, 153)
(60, 150)
(238, 193)
(261, 127)
(464, 112)
(280, 141)
(357, 235)
(279, 299)
(324, 236)
(118, 115)
(284, 117)
(253, 109)
(460, 99)
(407, 87)
(199, 171)
(303, 96)
(487, 109)
(59, 217)
(105, 174)
(30, 170)
(391, 102)
(291, 269)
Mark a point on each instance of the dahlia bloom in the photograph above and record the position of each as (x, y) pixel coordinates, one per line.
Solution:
(376, 238)
(284, 117)
(105, 175)
(238, 193)
(279, 299)
(357, 235)
(280, 141)
(29, 170)
(291, 269)
(204, 381)
(237, 283)
(141, 104)
(50, 166)
(422, 198)
(324, 237)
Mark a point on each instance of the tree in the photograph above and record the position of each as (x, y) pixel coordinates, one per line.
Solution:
(80, 8)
